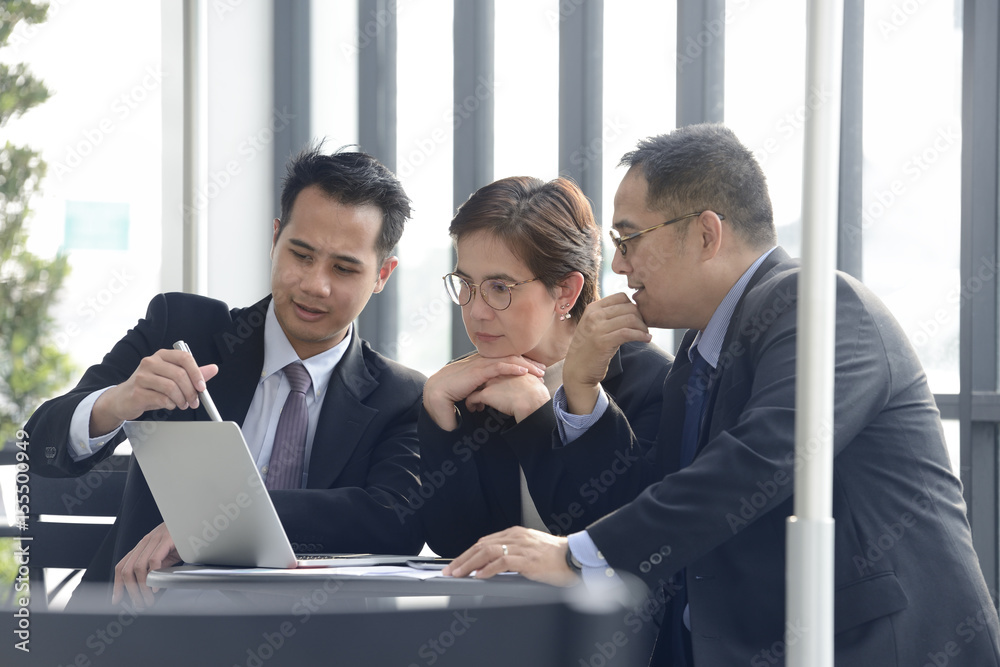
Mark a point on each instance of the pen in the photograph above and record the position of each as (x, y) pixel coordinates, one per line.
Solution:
(206, 400)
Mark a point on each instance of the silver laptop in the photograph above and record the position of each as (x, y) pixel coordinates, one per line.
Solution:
(213, 500)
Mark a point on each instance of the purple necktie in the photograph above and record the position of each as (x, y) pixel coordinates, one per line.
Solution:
(284, 471)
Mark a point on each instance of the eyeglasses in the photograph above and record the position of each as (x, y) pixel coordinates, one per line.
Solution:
(496, 293)
(619, 241)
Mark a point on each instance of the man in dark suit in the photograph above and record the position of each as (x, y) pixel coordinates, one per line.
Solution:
(341, 216)
(709, 535)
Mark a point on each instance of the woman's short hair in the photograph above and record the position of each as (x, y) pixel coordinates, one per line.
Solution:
(548, 226)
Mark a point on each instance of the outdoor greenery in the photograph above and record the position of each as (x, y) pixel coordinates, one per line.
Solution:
(32, 367)
(8, 571)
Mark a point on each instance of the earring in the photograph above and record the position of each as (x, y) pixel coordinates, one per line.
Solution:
(565, 316)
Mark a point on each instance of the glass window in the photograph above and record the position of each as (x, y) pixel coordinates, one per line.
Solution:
(335, 40)
(424, 149)
(526, 137)
(766, 103)
(100, 133)
(640, 81)
(912, 175)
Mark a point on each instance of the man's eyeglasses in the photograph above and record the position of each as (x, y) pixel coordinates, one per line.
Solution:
(619, 240)
(496, 293)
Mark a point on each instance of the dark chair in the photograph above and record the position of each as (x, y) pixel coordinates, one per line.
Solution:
(61, 536)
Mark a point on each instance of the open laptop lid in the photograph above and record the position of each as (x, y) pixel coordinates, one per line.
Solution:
(210, 493)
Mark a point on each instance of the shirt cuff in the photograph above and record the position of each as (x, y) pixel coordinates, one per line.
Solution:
(81, 445)
(572, 426)
(596, 571)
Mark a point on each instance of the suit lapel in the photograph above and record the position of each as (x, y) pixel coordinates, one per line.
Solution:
(344, 417)
(683, 365)
(241, 360)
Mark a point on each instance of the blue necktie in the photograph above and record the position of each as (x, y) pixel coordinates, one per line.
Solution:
(695, 397)
(284, 470)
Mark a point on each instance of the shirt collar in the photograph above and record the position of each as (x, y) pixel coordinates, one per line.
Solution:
(278, 353)
(709, 340)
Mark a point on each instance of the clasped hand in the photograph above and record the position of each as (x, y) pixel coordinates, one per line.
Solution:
(509, 384)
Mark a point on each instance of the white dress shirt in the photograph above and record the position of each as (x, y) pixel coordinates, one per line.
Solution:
(262, 416)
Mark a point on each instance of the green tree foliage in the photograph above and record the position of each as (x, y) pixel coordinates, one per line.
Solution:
(32, 367)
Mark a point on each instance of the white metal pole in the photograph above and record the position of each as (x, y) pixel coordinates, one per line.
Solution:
(195, 156)
(809, 577)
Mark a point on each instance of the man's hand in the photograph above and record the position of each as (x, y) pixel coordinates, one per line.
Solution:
(516, 395)
(605, 326)
(154, 551)
(457, 380)
(168, 380)
(532, 553)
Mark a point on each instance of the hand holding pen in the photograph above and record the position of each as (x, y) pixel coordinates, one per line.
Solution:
(201, 388)
(165, 380)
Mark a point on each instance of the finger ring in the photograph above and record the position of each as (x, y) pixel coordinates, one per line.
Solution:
(504, 547)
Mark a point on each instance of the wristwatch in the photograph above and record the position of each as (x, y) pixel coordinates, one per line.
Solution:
(571, 561)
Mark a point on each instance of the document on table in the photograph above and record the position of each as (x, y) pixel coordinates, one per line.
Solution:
(373, 571)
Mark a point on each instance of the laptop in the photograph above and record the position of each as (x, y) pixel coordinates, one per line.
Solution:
(214, 502)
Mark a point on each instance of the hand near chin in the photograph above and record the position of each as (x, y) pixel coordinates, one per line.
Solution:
(516, 395)
(606, 325)
(456, 381)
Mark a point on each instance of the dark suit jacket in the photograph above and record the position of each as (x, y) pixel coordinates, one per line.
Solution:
(470, 475)
(908, 582)
(364, 451)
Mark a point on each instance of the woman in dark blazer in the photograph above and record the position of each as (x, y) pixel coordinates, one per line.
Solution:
(528, 258)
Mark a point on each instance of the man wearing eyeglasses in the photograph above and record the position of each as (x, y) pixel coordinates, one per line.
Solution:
(694, 235)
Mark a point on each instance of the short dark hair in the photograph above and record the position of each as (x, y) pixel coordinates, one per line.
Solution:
(699, 167)
(353, 179)
(548, 226)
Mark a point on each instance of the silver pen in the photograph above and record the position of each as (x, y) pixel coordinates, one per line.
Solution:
(206, 400)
